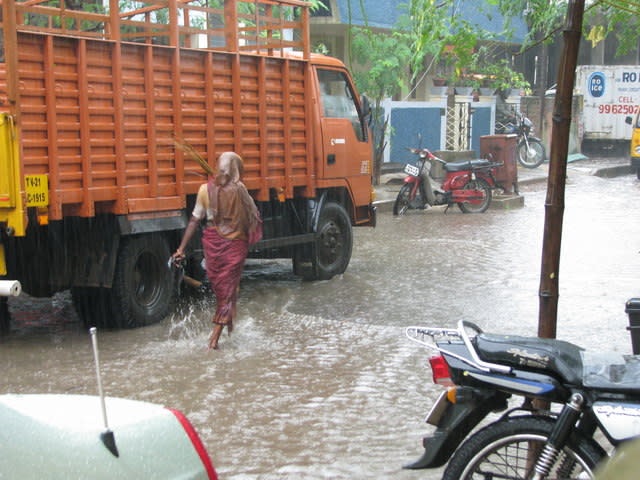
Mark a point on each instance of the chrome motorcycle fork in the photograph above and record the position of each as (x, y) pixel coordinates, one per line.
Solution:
(558, 437)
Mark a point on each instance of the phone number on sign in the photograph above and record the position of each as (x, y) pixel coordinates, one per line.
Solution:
(622, 109)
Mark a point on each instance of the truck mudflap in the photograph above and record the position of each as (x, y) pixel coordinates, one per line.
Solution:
(454, 421)
(371, 217)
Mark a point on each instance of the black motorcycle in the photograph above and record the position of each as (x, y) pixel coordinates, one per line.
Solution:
(586, 390)
(530, 151)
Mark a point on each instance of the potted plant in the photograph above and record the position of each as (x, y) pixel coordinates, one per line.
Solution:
(440, 86)
(503, 77)
(466, 83)
(486, 87)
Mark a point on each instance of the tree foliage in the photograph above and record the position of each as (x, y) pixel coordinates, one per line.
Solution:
(385, 57)
(614, 17)
(620, 18)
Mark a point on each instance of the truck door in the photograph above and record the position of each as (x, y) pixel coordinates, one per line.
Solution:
(347, 152)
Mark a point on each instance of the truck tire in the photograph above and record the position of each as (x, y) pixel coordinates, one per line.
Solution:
(5, 316)
(142, 291)
(334, 242)
(93, 306)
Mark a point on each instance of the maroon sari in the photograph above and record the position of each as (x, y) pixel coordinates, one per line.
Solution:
(224, 240)
(225, 262)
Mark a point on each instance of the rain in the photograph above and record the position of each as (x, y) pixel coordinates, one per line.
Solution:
(318, 380)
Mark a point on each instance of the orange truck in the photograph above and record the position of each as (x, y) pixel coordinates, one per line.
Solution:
(97, 105)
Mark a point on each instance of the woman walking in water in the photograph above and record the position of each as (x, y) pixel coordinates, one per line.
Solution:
(232, 218)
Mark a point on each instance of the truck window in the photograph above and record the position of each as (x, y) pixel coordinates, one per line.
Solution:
(338, 99)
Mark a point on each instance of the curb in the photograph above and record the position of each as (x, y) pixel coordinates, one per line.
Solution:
(611, 172)
(501, 202)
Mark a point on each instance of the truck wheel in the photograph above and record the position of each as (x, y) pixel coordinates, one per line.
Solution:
(142, 290)
(93, 306)
(5, 316)
(332, 249)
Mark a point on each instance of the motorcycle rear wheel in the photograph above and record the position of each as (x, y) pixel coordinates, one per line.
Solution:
(533, 156)
(477, 184)
(404, 202)
(508, 449)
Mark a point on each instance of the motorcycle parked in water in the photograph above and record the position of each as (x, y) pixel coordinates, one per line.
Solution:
(467, 183)
(530, 150)
(593, 390)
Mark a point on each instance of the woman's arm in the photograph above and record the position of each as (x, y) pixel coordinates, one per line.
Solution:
(199, 212)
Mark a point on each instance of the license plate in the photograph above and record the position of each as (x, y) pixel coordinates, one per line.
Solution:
(411, 170)
(37, 187)
(438, 409)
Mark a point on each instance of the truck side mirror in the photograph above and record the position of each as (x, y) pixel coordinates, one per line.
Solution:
(365, 105)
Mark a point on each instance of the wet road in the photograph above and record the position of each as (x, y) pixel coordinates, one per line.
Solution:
(317, 380)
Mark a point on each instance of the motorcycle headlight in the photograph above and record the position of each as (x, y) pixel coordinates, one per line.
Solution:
(527, 123)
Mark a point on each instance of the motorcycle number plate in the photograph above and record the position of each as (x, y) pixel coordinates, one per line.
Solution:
(441, 405)
(411, 170)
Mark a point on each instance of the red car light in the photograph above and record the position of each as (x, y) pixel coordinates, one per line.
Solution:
(196, 442)
(440, 371)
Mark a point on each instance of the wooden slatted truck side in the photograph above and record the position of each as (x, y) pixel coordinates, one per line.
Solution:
(94, 191)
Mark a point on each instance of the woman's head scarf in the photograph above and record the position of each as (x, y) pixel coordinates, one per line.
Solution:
(229, 168)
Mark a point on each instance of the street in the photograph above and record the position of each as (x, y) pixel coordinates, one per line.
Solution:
(318, 380)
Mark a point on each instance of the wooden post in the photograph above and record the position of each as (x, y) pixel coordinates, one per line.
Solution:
(554, 204)
(231, 26)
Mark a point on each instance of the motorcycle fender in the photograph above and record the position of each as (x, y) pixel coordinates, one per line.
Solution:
(411, 179)
(454, 422)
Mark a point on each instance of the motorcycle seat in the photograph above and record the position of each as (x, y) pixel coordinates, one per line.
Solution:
(467, 165)
(611, 371)
(532, 353)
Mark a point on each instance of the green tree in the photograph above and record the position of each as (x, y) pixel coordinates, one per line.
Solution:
(429, 34)
(383, 59)
(387, 63)
(602, 18)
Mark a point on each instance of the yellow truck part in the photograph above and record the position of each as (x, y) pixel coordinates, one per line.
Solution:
(13, 217)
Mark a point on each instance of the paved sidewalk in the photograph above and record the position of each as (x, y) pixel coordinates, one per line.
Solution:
(392, 178)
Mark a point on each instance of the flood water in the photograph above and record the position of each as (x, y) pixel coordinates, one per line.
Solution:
(317, 380)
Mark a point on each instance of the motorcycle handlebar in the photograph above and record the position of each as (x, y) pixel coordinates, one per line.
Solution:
(424, 153)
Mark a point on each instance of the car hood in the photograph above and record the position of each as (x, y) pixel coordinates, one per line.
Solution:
(59, 436)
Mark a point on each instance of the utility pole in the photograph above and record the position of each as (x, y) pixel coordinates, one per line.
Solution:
(554, 204)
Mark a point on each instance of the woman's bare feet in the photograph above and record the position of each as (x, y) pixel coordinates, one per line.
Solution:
(215, 335)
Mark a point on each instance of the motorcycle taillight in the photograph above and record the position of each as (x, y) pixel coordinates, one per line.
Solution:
(440, 371)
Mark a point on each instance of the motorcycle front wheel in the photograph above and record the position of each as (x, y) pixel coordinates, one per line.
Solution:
(533, 155)
(508, 449)
(483, 186)
(404, 201)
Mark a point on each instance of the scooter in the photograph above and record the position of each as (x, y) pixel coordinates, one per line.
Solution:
(586, 390)
(530, 150)
(467, 183)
